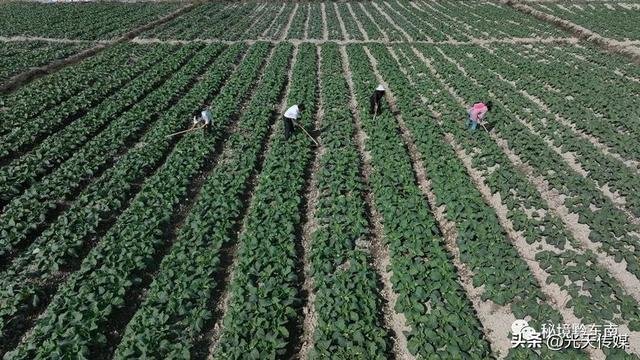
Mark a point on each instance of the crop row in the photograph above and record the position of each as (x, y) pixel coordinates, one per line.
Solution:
(586, 92)
(609, 226)
(373, 32)
(91, 21)
(168, 322)
(422, 20)
(618, 178)
(280, 22)
(349, 22)
(525, 208)
(240, 27)
(67, 237)
(55, 149)
(613, 68)
(452, 26)
(20, 56)
(402, 21)
(424, 278)
(217, 16)
(264, 290)
(385, 26)
(534, 75)
(484, 245)
(482, 20)
(434, 28)
(28, 211)
(347, 303)
(614, 62)
(51, 121)
(333, 25)
(612, 20)
(296, 30)
(587, 213)
(53, 90)
(315, 27)
(76, 321)
(261, 23)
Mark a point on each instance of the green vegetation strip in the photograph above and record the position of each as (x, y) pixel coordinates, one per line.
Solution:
(76, 321)
(347, 304)
(265, 286)
(53, 90)
(608, 225)
(25, 213)
(520, 197)
(16, 57)
(52, 151)
(484, 246)
(423, 276)
(51, 121)
(168, 321)
(63, 241)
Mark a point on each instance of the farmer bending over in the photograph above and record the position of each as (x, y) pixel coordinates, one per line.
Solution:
(476, 114)
(204, 118)
(376, 98)
(290, 116)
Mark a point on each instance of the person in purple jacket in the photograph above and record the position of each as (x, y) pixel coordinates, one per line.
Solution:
(476, 114)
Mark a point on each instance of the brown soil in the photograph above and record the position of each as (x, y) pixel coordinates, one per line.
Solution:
(325, 25)
(311, 226)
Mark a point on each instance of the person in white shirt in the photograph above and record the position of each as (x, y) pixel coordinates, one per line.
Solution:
(290, 116)
(205, 118)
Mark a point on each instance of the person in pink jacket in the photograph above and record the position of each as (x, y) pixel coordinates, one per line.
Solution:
(476, 114)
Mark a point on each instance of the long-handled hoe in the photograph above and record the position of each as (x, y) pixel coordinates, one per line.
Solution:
(185, 131)
(309, 135)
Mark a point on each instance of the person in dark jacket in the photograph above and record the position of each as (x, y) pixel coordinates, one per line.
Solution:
(376, 99)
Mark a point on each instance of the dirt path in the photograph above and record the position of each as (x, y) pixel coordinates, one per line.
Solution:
(394, 321)
(53, 40)
(325, 25)
(481, 42)
(310, 226)
(357, 21)
(306, 21)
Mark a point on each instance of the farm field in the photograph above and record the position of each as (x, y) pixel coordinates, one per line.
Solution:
(396, 236)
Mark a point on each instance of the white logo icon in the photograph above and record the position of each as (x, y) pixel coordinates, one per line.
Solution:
(518, 325)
